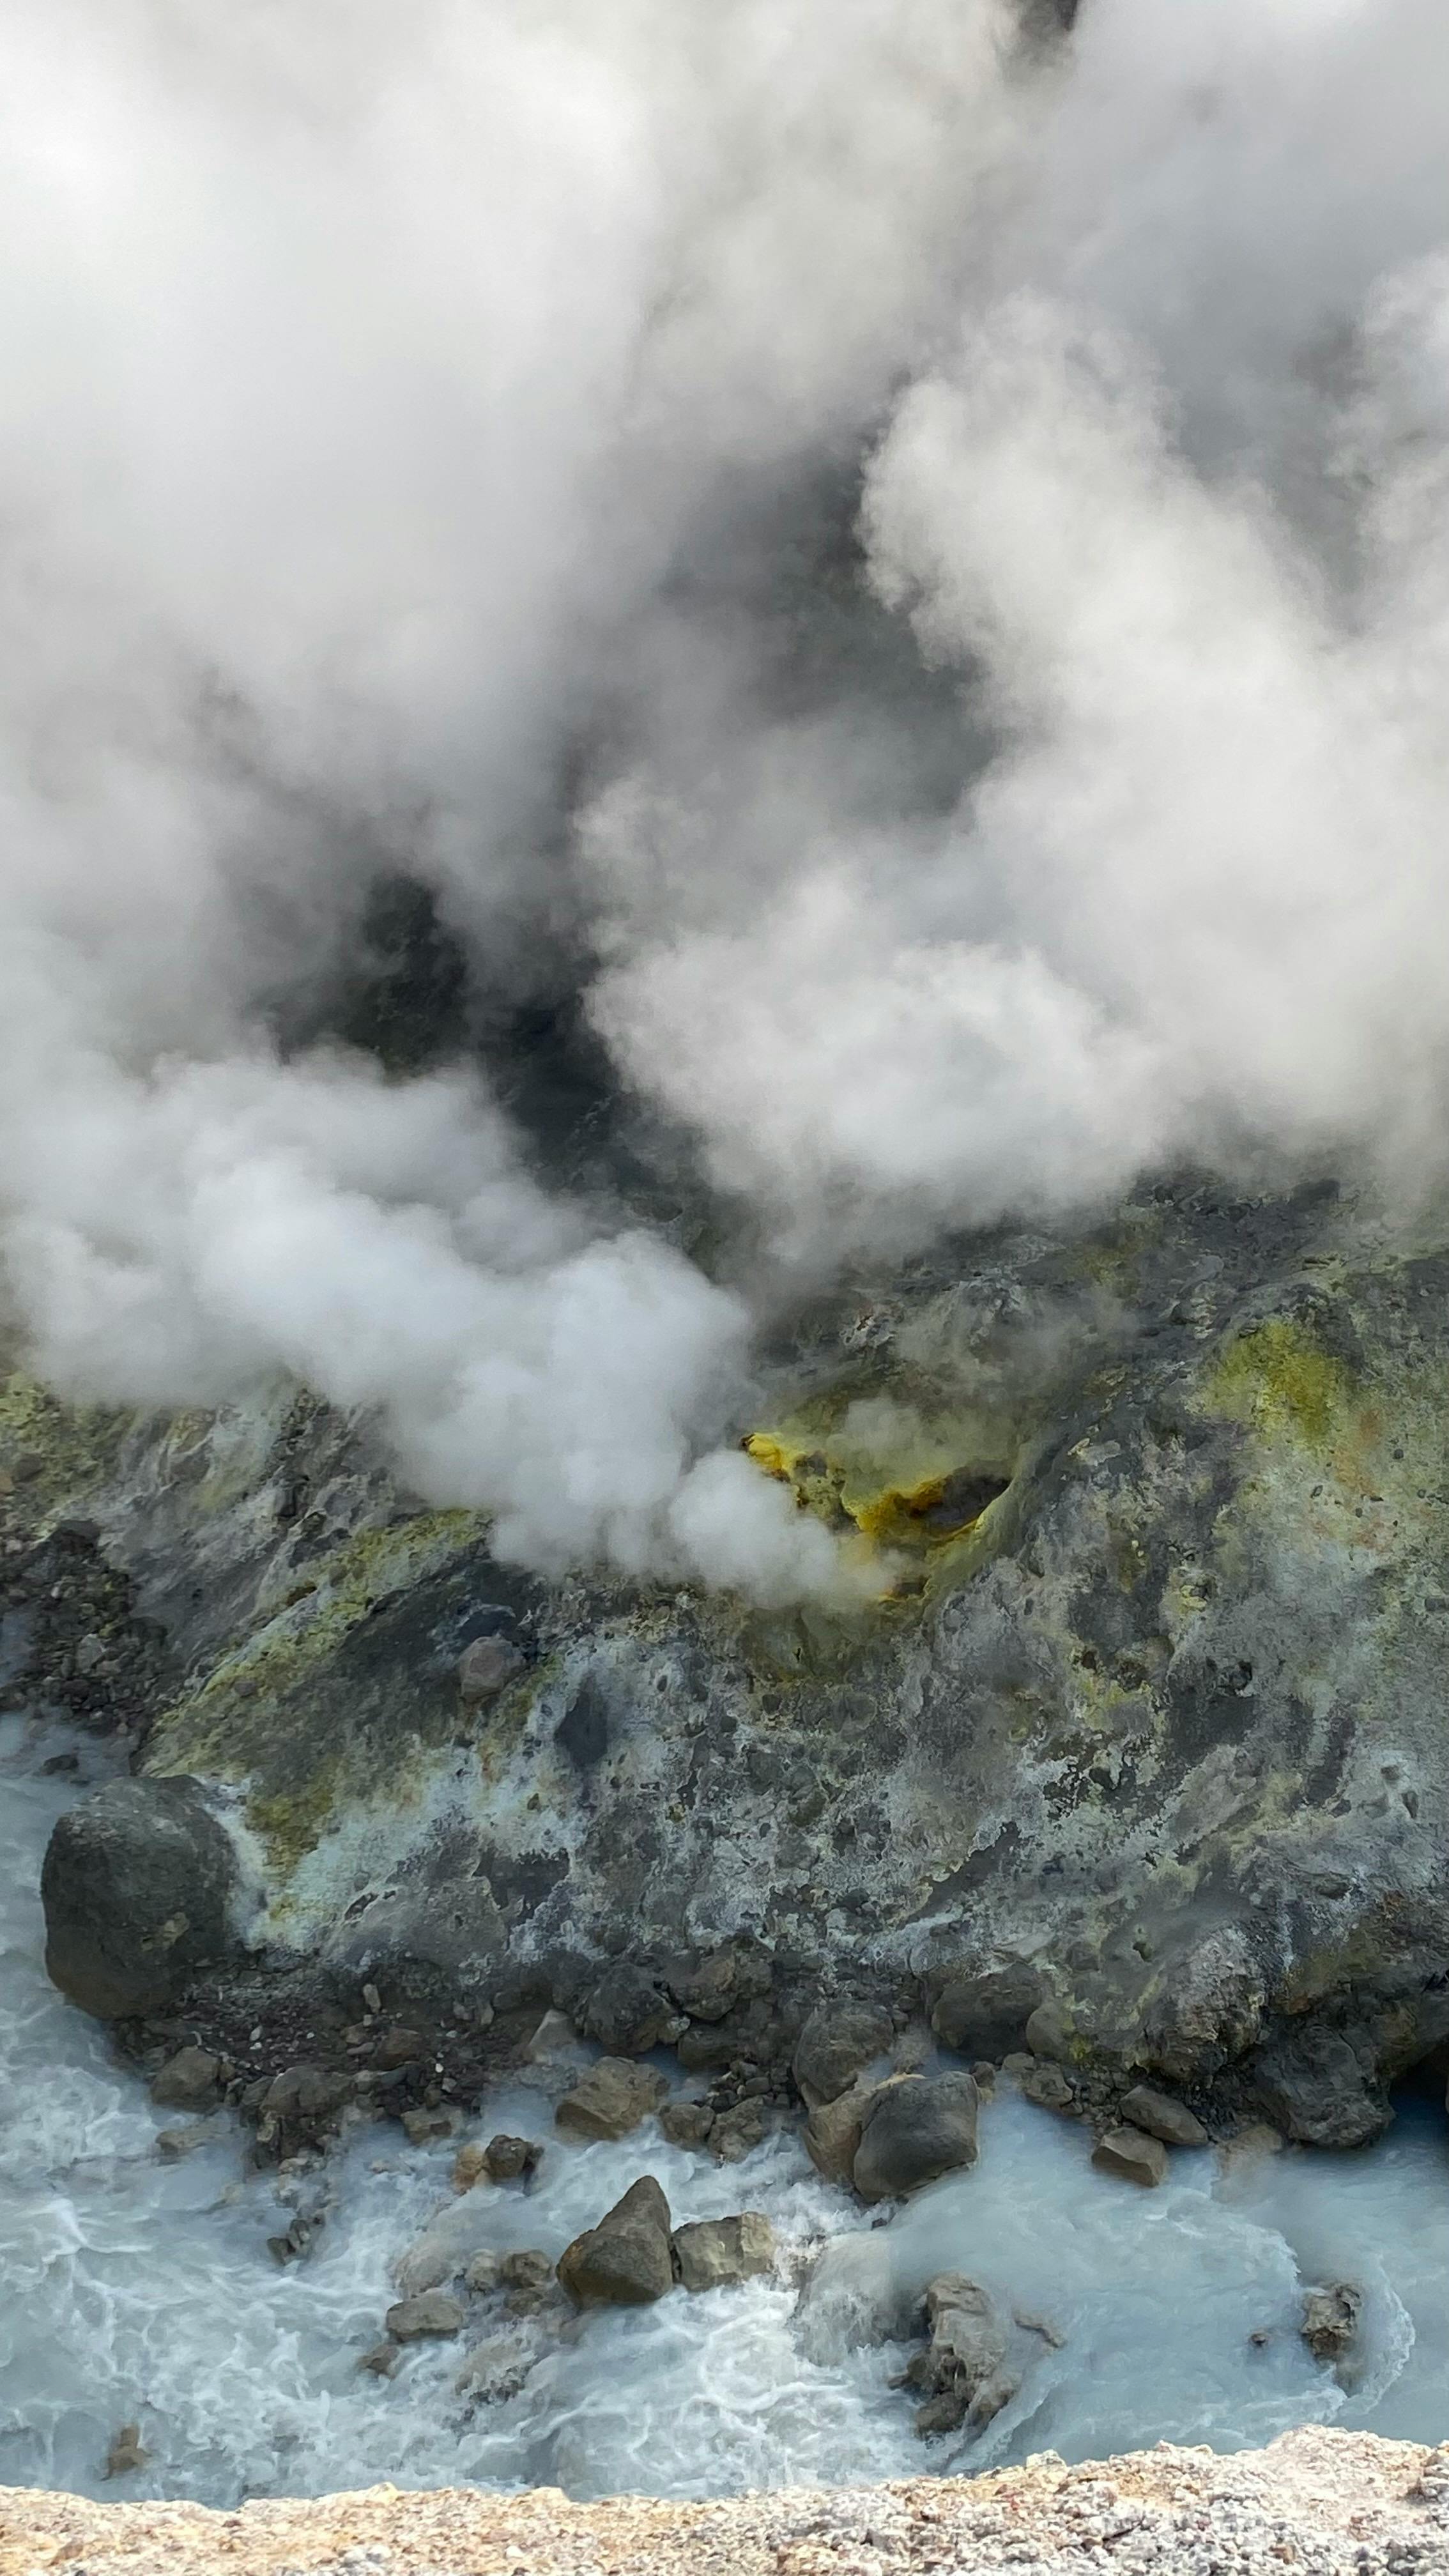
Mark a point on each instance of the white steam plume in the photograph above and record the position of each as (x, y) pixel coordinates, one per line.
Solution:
(372, 377)
(363, 372)
(1174, 507)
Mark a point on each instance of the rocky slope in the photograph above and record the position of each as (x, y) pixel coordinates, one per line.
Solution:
(1138, 1741)
(1331, 2504)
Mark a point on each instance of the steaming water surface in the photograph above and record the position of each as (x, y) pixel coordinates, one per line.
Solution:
(133, 2290)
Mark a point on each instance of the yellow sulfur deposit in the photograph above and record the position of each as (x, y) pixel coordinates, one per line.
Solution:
(889, 1503)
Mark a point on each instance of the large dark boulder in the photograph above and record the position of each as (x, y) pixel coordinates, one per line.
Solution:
(914, 2132)
(838, 2040)
(986, 2015)
(136, 1885)
(627, 2014)
(1312, 2084)
(627, 2260)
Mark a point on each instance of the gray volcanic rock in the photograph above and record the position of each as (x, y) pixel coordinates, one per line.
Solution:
(986, 2015)
(1314, 2086)
(1146, 1727)
(962, 2371)
(1162, 2117)
(1131, 2154)
(833, 2131)
(187, 2080)
(627, 2014)
(626, 2261)
(136, 1884)
(915, 2130)
(1331, 2320)
(838, 2040)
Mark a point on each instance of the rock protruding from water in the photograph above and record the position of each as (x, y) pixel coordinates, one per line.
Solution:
(915, 2130)
(714, 2253)
(839, 2039)
(1131, 2154)
(626, 2261)
(136, 1884)
(686, 2124)
(737, 2132)
(127, 2452)
(1330, 2321)
(1163, 2117)
(963, 2369)
(503, 2159)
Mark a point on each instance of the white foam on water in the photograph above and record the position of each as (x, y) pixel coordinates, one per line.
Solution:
(134, 2290)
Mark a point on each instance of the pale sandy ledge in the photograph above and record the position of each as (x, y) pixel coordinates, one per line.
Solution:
(1315, 2501)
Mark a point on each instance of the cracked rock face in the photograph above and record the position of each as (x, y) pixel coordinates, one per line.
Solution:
(1145, 1730)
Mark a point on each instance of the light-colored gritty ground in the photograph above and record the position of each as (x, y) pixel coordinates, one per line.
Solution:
(1325, 2504)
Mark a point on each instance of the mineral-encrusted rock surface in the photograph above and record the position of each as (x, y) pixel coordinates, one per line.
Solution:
(1339, 2504)
(1143, 1729)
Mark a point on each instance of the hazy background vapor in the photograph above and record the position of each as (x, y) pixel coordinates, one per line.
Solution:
(890, 576)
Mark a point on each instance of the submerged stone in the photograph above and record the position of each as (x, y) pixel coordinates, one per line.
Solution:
(430, 2313)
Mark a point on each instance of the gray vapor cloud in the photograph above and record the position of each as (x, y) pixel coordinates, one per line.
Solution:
(910, 564)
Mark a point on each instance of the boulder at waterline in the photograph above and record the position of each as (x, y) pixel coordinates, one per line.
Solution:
(838, 2040)
(686, 2124)
(137, 1881)
(626, 2261)
(833, 2131)
(187, 2080)
(914, 2131)
(527, 2280)
(986, 2014)
(507, 2159)
(963, 2367)
(1162, 2117)
(611, 2099)
(1313, 2086)
(1131, 2154)
(627, 2014)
